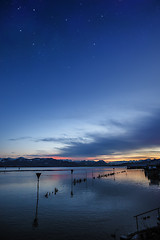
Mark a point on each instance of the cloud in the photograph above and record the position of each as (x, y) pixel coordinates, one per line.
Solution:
(145, 133)
(65, 140)
(38, 155)
(20, 138)
(137, 136)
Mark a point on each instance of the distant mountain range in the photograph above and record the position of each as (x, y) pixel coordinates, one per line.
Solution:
(51, 162)
(47, 162)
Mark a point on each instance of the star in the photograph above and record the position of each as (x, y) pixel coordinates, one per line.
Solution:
(19, 8)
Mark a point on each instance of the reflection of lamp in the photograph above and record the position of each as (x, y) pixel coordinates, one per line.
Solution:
(71, 182)
(114, 173)
(35, 222)
(92, 177)
(86, 179)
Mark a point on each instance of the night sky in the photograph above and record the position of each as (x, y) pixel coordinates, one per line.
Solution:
(80, 79)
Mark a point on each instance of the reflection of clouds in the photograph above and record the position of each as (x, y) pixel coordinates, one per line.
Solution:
(135, 176)
(105, 190)
(103, 203)
(153, 176)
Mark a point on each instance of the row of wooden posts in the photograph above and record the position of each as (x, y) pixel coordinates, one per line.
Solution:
(75, 181)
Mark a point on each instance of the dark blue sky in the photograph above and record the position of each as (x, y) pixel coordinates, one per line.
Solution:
(80, 79)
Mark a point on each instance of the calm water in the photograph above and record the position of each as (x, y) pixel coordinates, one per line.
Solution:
(94, 209)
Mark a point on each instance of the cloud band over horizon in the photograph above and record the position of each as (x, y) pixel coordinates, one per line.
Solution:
(135, 138)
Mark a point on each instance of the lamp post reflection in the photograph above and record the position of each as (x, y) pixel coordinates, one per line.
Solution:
(35, 222)
(71, 182)
(114, 173)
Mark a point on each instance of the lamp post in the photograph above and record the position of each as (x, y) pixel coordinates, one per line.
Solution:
(35, 222)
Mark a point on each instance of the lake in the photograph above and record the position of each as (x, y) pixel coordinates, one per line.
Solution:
(90, 208)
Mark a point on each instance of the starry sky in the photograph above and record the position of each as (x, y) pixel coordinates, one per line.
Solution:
(80, 79)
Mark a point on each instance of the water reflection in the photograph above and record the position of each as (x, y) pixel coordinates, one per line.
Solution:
(153, 175)
(102, 209)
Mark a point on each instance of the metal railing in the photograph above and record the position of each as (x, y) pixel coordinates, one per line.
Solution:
(136, 216)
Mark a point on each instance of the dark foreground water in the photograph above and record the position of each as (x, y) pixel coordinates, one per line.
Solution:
(100, 208)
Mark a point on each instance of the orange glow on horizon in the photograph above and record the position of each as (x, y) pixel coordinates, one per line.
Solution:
(104, 158)
(139, 155)
(72, 158)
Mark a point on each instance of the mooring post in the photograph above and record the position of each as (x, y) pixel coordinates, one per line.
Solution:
(71, 174)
